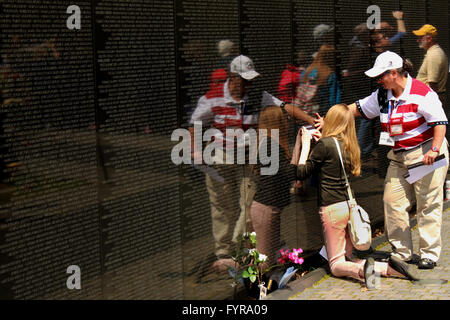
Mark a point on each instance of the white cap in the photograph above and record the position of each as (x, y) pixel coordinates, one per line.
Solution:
(386, 61)
(243, 66)
(320, 30)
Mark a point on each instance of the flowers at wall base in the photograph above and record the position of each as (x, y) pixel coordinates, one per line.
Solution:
(290, 257)
(249, 260)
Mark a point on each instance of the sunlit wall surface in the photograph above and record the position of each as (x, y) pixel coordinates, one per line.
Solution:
(87, 115)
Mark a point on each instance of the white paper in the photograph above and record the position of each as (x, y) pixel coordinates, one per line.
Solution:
(386, 139)
(286, 277)
(311, 129)
(417, 171)
(323, 253)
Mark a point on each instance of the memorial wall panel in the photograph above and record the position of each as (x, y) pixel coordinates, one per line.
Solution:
(88, 182)
(207, 40)
(49, 200)
(139, 196)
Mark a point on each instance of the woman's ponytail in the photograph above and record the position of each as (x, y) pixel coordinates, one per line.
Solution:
(407, 67)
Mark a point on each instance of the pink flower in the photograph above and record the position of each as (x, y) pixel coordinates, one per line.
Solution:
(293, 256)
(290, 256)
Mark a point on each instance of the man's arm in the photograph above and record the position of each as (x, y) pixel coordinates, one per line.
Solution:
(354, 110)
(398, 15)
(298, 114)
(319, 120)
(438, 138)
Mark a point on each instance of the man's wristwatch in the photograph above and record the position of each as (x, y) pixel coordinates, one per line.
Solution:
(435, 149)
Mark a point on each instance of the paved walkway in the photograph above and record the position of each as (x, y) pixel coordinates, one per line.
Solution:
(332, 288)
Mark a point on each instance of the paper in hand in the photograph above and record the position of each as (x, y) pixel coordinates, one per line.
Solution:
(418, 170)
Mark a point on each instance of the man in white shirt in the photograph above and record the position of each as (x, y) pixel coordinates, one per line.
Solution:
(413, 124)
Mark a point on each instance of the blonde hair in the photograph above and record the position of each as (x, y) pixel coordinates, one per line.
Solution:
(340, 123)
(273, 118)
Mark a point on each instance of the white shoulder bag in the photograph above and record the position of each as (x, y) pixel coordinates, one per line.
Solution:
(359, 222)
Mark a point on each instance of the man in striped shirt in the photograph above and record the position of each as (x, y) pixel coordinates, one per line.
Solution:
(232, 105)
(413, 123)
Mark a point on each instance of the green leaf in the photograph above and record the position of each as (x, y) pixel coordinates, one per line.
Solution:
(252, 278)
(251, 270)
(245, 274)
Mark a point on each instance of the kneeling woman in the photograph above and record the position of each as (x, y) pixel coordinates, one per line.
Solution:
(333, 199)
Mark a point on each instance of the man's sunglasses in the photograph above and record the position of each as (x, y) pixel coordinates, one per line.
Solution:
(381, 76)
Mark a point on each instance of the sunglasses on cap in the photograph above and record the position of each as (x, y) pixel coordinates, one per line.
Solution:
(381, 76)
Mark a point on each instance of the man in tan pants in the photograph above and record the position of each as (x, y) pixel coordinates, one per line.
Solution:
(399, 196)
(413, 124)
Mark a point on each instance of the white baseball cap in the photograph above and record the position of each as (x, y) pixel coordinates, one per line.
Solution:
(243, 66)
(386, 61)
(321, 30)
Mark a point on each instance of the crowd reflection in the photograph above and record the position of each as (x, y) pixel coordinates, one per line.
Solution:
(308, 86)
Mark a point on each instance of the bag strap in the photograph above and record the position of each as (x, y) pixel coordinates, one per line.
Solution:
(349, 190)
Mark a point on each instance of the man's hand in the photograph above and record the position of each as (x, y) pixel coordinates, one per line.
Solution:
(397, 15)
(297, 113)
(438, 138)
(429, 157)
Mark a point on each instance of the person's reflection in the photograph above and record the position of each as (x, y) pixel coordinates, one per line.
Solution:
(365, 43)
(217, 80)
(320, 88)
(272, 193)
(228, 106)
(323, 34)
(291, 77)
(384, 36)
(227, 51)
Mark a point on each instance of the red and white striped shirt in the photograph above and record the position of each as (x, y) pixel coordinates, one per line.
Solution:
(419, 106)
(217, 108)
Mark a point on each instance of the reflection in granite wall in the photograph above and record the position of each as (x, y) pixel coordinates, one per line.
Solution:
(87, 117)
(138, 195)
(49, 195)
